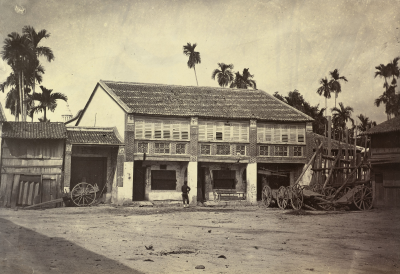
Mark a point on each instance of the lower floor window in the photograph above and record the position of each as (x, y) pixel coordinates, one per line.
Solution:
(161, 148)
(180, 149)
(143, 147)
(163, 180)
(241, 150)
(281, 150)
(205, 149)
(223, 150)
(264, 150)
(298, 151)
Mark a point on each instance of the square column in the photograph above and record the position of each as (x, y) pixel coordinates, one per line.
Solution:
(192, 182)
(67, 167)
(251, 190)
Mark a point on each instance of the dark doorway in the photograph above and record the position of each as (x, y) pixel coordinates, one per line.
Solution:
(94, 169)
(224, 179)
(201, 182)
(139, 178)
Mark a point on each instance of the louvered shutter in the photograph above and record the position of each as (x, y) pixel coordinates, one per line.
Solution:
(292, 138)
(210, 131)
(300, 134)
(268, 133)
(184, 130)
(277, 133)
(285, 133)
(157, 130)
(260, 133)
(236, 132)
(139, 129)
(166, 129)
(175, 131)
(244, 132)
(148, 129)
(202, 131)
(227, 132)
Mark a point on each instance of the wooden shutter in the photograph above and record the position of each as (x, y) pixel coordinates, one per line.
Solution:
(244, 132)
(184, 130)
(292, 138)
(268, 133)
(157, 130)
(202, 131)
(166, 129)
(227, 132)
(148, 129)
(139, 129)
(260, 133)
(301, 134)
(277, 133)
(236, 132)
(210, 131)
(285, 133)
(175, 131)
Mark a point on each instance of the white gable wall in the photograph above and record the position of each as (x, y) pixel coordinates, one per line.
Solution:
(103, 111)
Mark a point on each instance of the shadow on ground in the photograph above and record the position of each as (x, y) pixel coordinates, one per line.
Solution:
(26, 251)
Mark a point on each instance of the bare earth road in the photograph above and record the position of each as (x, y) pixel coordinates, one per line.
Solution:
(111, 240)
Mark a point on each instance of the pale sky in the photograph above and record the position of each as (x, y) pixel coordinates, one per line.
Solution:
(287, 45)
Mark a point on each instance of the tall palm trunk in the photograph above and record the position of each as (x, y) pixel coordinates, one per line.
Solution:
(23, 106)
(194, 67)
(44, 114)
(20, 94)
(33, 93)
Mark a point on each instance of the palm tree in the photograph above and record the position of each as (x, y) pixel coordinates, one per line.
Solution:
(194, 57)
(35, 67)
(325, 90)
(393, 69)
(341, 116)
(335, 84)
(365, 123)
(16, 51)
(244, 80)
(224, 74)
(47, 101)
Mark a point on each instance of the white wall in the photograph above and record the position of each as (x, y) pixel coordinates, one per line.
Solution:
(103, 111)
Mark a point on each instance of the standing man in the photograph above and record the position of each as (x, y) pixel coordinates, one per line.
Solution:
(185, 192)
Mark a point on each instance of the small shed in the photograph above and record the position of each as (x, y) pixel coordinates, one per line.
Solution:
(32, 160)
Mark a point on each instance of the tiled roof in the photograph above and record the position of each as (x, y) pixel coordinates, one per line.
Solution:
(93, 136)
(156, 99)
(391, 125)
(311, 137)
(29, 130)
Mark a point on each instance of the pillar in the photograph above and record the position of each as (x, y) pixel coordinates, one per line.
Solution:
(251, 170)
(192, 165)
(67, 167)
(251, 175)
(192, 182)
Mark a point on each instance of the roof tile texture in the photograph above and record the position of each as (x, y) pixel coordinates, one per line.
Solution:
(155, 99)
(29, 130)
(92, 137)
(391, 125)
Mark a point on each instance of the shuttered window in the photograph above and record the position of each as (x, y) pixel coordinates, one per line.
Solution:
(220, 131)
(280, 133)
(162, 129)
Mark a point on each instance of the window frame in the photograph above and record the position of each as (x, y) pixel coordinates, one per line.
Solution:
(184, 148)
(259, 150)
(220, 146)
(164, 148)
(218, 131)
(285, 150)
(160, 129)
(301, 151)
(203, 146)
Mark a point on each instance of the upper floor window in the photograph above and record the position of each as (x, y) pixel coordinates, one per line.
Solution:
(280, 133)
(223, 149)
(180, 149)
(143, 147)
(263, 150)
(161, 148)
(221, 131)
(298, 151)
(240, 149)
(205, 149)
(162, 129)
(281, 151)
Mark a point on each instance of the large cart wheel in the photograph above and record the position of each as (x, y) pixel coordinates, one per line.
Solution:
(83, 194)
(343, 192)
(317, 188)
(282, 197)
(266, 195)
(297, 197)
(363, 198)
(329, 191)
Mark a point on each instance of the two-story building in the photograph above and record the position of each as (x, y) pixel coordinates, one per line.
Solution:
(385, 162)
(213, 138)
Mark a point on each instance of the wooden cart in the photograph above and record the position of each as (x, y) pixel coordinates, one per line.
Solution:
(283, 195)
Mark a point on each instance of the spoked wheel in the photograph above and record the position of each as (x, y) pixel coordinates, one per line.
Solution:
(266, 196)
(343, 192)
(83, 194)
(327, 192)
(317, 188)
(363, 198)
(297, 197)
(282, 197)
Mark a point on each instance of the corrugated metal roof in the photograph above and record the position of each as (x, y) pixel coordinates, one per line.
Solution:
(29, 130)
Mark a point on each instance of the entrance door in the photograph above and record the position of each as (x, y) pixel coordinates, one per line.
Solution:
(94, 169)
(139, 176)
(201, 182)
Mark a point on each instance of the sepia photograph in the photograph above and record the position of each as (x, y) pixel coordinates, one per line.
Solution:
(207, 136)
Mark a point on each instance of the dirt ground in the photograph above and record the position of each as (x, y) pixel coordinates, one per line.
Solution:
(107, 239)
